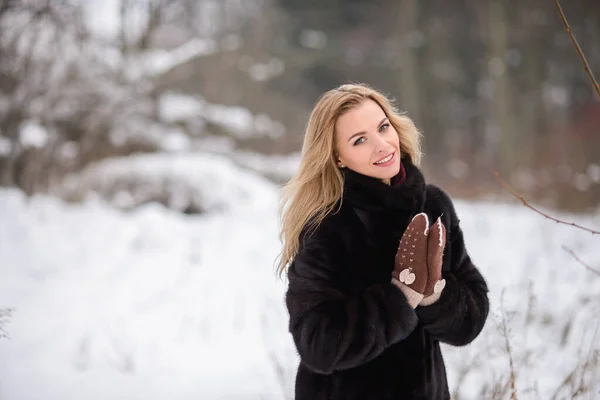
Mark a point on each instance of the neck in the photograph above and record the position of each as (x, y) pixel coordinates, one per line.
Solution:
(401, 191)
(394, 202)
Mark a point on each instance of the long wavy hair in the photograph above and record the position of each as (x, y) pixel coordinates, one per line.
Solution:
(318, 184)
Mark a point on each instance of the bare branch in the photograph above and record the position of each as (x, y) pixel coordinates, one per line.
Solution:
(526, 204)
(155, 16)
(586, 66)
(565, 248)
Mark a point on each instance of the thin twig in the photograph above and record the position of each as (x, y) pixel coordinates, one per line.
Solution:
(526, 204)
(586, 66)
(565, 248)
(569, 380)
(564, 384)
(513, 389)
(590, 357)
(5, 317)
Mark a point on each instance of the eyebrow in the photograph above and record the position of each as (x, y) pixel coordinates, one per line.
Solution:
(364, 132)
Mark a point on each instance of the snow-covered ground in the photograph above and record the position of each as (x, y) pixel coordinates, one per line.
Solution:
(152, 304)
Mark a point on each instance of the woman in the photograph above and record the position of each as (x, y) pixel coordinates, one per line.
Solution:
(373, 287)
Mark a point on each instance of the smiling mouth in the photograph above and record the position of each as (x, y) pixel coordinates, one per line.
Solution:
(384, 160)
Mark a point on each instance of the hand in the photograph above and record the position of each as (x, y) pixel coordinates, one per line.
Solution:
(410, 268)
(436, 242)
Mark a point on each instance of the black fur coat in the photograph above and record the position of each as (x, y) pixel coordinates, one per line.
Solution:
(356, 334)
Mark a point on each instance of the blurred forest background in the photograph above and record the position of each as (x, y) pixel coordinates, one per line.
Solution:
(491, 84)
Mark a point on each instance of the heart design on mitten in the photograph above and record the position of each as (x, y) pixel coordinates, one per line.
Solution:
(411, 258)
(406, 276)
(436, 242)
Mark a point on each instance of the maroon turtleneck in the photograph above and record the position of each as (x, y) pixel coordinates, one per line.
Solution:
(400, 177)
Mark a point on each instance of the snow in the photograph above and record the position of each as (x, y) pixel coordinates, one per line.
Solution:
(153, 304)
(102, 18)
(5, 147)
(32, 134)
(157, 62)
(206, 181)
(146, 304)
(593, 172)
(262, 72)
(312, 39)
(238, 121)
(104, 21)
(174, 107)
(175, 140)
(278, 167)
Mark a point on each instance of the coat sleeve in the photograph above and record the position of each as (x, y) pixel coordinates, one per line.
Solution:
(334, 330)
(460, 313)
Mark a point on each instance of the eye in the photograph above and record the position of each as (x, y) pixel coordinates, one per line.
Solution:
(384, 127)
(359, 140)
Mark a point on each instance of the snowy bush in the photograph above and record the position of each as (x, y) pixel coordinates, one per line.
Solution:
(190, 183)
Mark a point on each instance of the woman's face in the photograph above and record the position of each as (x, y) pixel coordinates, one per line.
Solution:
(367, 142)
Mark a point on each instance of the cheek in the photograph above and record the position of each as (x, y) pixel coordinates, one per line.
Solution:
(356, 154)
(352, 155)
(340, 152)
(394, 140)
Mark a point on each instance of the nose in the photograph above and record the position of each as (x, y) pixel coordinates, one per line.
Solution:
(381, 146)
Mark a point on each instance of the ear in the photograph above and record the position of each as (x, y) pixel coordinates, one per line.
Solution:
(338, 162)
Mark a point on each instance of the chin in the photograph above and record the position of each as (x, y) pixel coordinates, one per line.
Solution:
(388, 173)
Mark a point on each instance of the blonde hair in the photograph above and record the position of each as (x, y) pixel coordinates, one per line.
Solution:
(318, 184)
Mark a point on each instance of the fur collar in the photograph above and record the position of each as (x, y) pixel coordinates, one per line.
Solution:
(404, 196)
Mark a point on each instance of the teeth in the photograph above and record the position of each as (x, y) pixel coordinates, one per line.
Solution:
(388, 158)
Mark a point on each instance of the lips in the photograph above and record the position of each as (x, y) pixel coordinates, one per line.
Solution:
(385, 160)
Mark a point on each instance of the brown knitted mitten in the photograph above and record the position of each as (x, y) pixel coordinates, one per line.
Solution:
(411, 258)
(436, 242)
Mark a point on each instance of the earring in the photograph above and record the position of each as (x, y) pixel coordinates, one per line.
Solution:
(342, 166)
